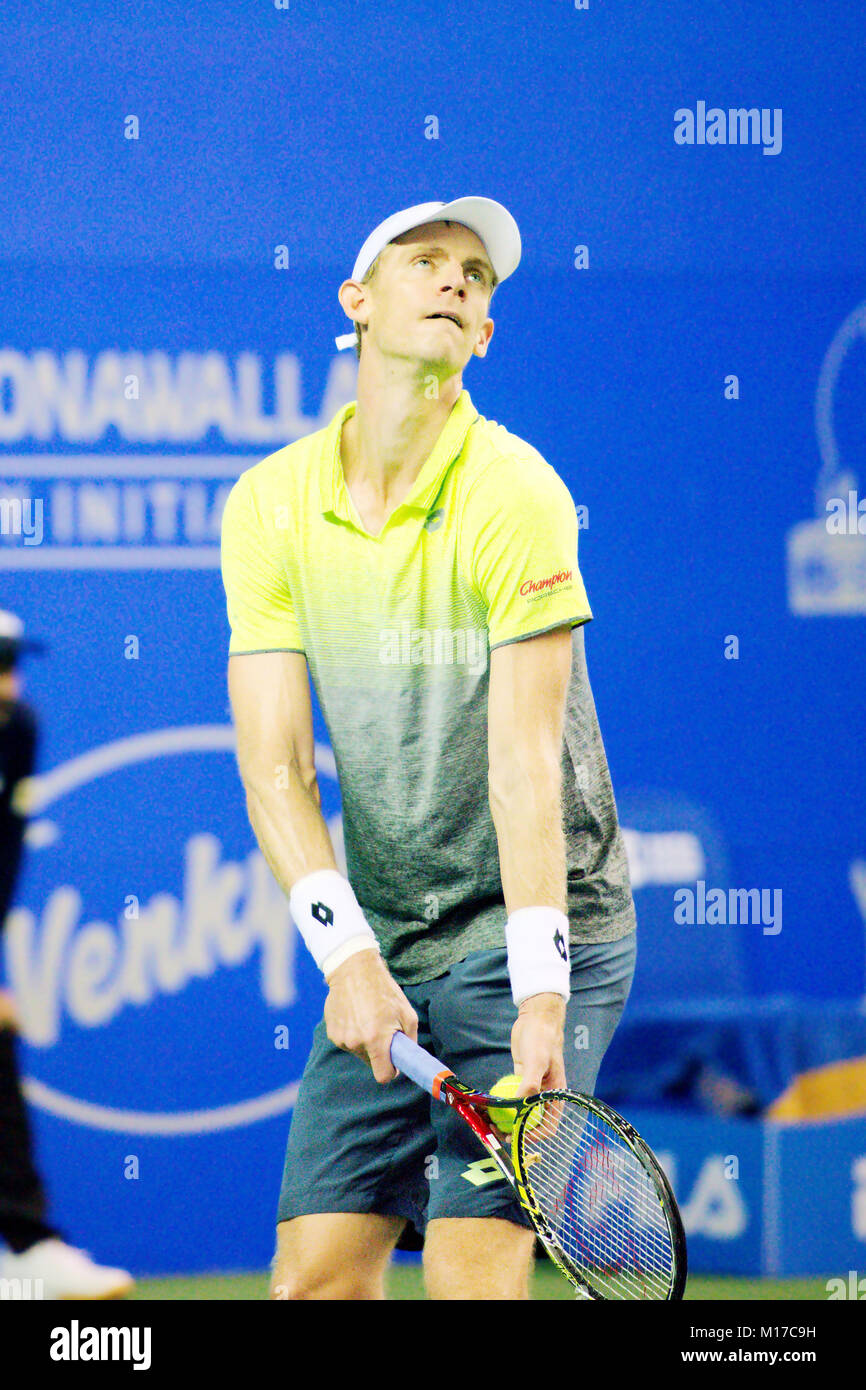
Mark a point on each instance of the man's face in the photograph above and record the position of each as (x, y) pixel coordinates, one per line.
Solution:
(439, 269)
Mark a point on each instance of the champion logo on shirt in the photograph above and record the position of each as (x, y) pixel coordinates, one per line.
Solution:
(553, 581)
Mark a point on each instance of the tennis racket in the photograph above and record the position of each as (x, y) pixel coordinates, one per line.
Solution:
(594, 1191)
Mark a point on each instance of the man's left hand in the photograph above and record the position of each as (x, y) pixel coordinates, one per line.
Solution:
(537, 1043)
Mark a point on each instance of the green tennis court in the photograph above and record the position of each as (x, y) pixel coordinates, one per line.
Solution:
(405, 1282)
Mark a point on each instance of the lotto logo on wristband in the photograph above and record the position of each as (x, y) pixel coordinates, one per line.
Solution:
(323, 914)
(559, 943)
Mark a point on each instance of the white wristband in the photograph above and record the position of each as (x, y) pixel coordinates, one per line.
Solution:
(329, 918)
(537, 941)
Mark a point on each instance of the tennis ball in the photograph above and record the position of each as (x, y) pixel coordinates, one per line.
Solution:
(504, 1119)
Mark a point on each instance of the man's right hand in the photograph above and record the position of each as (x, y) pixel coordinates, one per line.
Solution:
(364, 1009)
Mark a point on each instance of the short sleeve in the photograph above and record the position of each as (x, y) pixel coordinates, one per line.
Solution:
(260, 609)
(520, 524)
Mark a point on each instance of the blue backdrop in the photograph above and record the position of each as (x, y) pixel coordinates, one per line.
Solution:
(696, 375)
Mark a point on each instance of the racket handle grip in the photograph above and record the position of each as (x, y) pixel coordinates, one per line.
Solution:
(420, 1066)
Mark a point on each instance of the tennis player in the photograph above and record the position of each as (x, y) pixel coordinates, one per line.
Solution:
(418, 562)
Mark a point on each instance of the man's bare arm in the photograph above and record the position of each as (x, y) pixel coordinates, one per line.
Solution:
(526, 714)
(272, 711)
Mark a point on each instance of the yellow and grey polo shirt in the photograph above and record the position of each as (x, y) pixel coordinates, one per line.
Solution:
(397, 629)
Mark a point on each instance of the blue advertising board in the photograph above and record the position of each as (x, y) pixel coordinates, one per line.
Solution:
(765, 1199)
(684, 341)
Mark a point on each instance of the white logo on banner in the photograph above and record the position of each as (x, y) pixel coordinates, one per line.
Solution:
(715, 1206)
(826, 559)
(58, 964)
(127, 511)
(663, 856)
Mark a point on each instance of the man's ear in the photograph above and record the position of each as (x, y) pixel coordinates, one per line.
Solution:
(353, 299)
(485, 333)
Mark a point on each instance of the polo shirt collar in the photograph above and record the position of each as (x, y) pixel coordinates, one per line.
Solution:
(336, 502)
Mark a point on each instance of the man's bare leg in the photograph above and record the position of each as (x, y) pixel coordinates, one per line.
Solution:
(337, 1255)
(477, 1257)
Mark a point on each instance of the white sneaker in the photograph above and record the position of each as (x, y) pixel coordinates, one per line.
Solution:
(60, 1271)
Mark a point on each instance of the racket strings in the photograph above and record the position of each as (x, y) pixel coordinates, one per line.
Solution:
(599, 1201)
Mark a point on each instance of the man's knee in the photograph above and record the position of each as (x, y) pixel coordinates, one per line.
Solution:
(335, 1255)
(289, 1283)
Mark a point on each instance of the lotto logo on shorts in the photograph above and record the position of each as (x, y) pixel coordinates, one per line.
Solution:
(483, 1171)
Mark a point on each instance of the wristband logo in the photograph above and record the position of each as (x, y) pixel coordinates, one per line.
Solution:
(559, 943)
(323, 914)
(130, 951)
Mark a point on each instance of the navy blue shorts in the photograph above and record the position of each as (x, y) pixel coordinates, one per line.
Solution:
(356, 1145)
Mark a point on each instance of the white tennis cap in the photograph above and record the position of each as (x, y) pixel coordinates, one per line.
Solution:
(487, 219)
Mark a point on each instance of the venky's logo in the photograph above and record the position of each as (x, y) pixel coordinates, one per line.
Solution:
(553, 581)
(151, 941)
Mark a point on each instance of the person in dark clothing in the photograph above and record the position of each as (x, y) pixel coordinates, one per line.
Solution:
(37, 1251)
